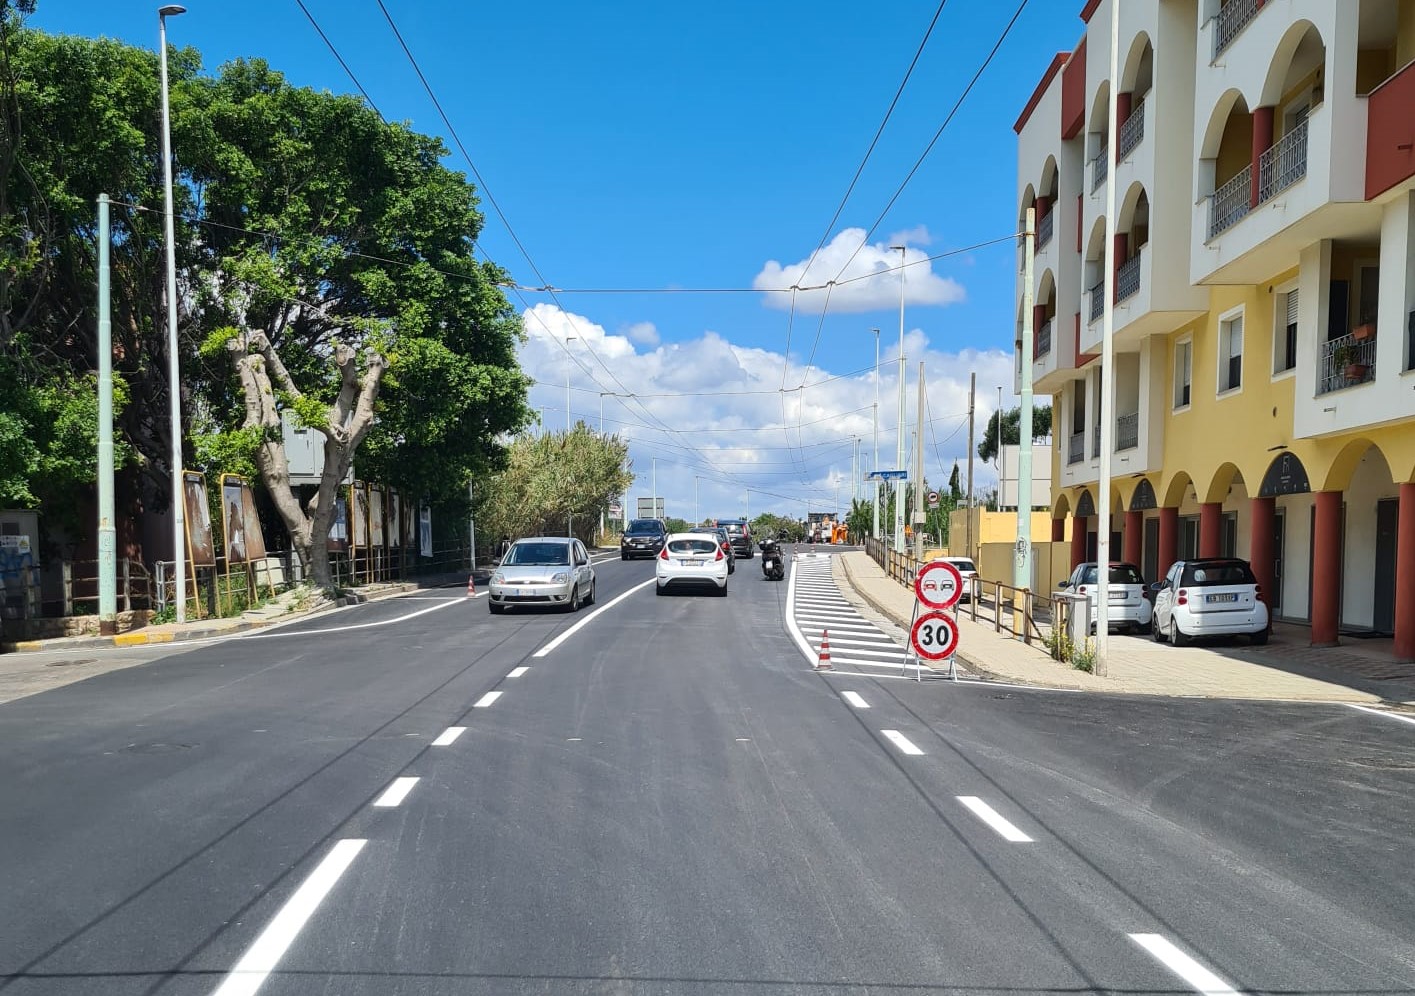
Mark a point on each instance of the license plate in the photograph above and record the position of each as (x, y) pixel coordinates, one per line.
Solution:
(690, 563)
(1221, 598)
(1117, 596)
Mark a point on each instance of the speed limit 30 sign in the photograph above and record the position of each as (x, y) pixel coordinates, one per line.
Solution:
(934, 636)
(938, 584)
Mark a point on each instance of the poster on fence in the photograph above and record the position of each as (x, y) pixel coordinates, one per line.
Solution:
(233, 520)
(425, 531)
(255, 535)
(375, 516)
(358, 501)
(395, 521)
(201, 550)
(339, 525)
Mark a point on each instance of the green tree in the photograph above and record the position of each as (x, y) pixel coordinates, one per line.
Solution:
(955, 487)
(784, 529)
(1011, 428)
(861, 520)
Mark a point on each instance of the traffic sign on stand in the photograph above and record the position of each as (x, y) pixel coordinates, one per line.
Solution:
(932, 498)
(934, 636)
(938, 584)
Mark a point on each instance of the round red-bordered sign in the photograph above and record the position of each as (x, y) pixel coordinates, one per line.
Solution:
(938, 584)
(934, 636)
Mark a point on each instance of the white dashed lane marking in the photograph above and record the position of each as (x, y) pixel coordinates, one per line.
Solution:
(486, 700)
(396, 792)
(855, 699)
(994, 819)
(899, 740)
(1171, 957)
(449, 735)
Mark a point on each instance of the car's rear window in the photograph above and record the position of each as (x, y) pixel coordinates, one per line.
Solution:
(1119, 574)
(1223, 572)
(964, 565)
(644, 526)
(543, 554)
(688, 547)
(734, 528)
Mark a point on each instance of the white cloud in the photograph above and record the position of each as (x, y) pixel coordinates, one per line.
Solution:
(642, 333)
(867, 293)
(732, 429)
(916, 236)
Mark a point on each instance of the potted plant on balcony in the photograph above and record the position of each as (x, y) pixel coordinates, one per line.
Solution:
(1364, 330)
(1347, 359)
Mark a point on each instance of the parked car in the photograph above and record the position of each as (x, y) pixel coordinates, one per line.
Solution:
(643, 538)
(691, 560)
(1129, 598)
(741, 536)
(720, 534)
(1209, 597)
(543, 570)
(969, 572)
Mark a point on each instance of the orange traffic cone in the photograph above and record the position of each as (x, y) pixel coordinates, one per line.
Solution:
(471, 585)
(823, 661)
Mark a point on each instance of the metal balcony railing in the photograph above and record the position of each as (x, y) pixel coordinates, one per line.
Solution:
(1346, 362)
(1076, 448)
(1127, 432)
(1096, 443)
(1045, 225)
(1044, 340)
(1097, 300)
(1232, 18)
(1127, 279)
(1132, 132)
(1284, 164)
(1230, 204)
(1100, 168)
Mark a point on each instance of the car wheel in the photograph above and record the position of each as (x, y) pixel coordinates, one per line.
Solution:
(722, 592)
(574, 604)
(660, 589)
(495, 609)
(1259, 638)
(1156, 633)
(1176, 635)
(623, 556)
(590, 600)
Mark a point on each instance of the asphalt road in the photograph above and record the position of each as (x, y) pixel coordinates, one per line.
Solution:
(671, 801)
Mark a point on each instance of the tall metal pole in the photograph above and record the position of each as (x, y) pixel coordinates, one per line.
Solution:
(1022, 575)
(899, 489)
(972, 402)
(568, 339)
(174, 381)
(875, 464)
(919, 515)
(998, 458)
(1107, 379)
(601, 413)
(697, 509)
(654, 496)
(107, 529)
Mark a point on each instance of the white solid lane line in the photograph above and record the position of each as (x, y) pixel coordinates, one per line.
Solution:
(994, 819)
(590, 618)
(396, 792)
(855, 700)
(449, 735)
(1382, 712)
(442, 604)
(516, 672)
(895, 653)
(901, 741)
(486, 700)
(792, 626)
(262, 957)
(1197, 976)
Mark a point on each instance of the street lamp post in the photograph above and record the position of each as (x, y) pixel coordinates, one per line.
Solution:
(899, 491)
(568, 339)
(874, 464)
(174, 400)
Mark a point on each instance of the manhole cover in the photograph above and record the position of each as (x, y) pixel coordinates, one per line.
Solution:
(81, 660)
(156, 748)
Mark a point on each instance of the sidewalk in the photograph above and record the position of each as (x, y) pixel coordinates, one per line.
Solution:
(283, 609)
(1136, 666)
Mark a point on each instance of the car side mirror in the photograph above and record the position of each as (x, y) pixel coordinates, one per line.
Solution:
(1159, 586)
(1063, 584)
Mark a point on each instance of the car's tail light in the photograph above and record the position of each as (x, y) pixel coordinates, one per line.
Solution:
(1081, 590)
(1145, 594)
(663, 554)
(719, 555)
(1257, 591)
(1183, 598)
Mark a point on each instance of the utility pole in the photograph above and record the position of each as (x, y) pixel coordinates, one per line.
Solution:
(919, 515)
(899, 489)
(107, 529)
(1107, 378)
(472, 525)
(972, 399)
(654, 496)
(568, 339)
(1022, 575)
(174, 376)
(697, 509)
(875, 464)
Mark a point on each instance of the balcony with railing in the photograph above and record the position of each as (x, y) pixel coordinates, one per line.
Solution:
(1097, 295)
(1043, 346)
(1096, 443)
(1076, 448)
(1231, 19)
(1345, 362)
(1046, 224)
(1283, 164)
(1100, 168)
(1230, 204)
(1127, 279)
(1132, 132)
(1127, 432)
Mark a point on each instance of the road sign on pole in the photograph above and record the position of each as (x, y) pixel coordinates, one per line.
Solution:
(934, 636)
(889, 475)
(933, 499)
(938, 585)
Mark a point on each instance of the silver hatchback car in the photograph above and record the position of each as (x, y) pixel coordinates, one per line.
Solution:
(543, 570)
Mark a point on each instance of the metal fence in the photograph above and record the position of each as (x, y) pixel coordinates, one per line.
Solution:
(1076, 447)
(1232, 18)
(1127, 432)
(1345, 362)
(1044, 340)
(1046, 224)
(1097, 294)
(1127, 279)
(1132, 131)
(1230, 204)
(1100, 168)
(1283, 164)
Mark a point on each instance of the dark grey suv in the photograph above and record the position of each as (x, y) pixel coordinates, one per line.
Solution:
(741, 536)
(643, 538)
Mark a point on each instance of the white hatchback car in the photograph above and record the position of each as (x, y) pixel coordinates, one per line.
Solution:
(969, 572)
(1128, 601)
(691, 560)
(1218, 597)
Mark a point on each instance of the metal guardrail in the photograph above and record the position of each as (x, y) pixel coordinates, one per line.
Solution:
(1345, 362)
(1100, 168)
(1230, 204)
(1046, 225)
(1127, 432)
(1283, 164)
(1043, 340)
(1076, 448)
(1097, 294)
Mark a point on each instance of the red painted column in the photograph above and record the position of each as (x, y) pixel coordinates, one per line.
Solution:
(1210, 533)
(1405, 576)
(1260, 549)
(1058, 530)
(1169, 540)
(1078, 541)
(1043, 205)
(1134, 542)
(1123, 104)
(1122, 247)
(1326, 569)
(1262, 142)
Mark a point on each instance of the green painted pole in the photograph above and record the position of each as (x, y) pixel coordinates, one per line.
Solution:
(107, 532)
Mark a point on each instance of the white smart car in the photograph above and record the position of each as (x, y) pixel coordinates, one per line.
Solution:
(1129, 600)
(1218, 597)
(691, 560)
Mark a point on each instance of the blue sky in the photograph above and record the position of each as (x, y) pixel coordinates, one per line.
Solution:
(653, 145)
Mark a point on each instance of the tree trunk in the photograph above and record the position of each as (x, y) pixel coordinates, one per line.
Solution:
(318, 562)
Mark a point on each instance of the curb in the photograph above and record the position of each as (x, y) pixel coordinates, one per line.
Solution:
(140, 638)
